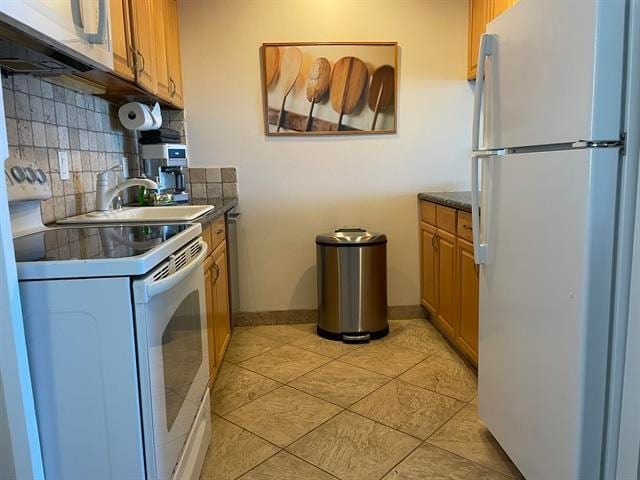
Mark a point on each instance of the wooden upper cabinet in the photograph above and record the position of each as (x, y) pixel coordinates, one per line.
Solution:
(158, 14)
(468, 283)
(143, 35)
(428, 269)
(481, 12)
(499, 6)
(174, 63)
(121, 40)
(478, 19)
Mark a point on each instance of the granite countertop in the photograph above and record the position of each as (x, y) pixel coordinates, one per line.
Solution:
(217, 212)
(459, 200)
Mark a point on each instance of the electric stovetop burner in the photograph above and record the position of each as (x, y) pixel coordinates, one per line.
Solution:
(92, 243)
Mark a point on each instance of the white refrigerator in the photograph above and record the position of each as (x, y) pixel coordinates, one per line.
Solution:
(548, 182)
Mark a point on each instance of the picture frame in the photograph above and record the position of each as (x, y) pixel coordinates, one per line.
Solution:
(329, 88)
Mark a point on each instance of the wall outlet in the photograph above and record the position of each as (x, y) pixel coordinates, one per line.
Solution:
(124, 163)
(63, 165)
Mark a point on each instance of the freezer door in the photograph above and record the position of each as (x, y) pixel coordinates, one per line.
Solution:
(554, 73)
(544, 307)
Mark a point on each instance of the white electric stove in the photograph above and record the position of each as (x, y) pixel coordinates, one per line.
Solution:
(115, 324)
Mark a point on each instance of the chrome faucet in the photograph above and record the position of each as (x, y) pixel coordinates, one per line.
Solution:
(105, 195)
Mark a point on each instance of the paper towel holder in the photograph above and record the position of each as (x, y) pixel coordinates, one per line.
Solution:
(135, 116)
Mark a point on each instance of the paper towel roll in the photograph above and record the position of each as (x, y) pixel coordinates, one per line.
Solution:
(137, 116)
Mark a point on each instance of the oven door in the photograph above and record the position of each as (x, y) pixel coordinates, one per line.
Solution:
(173, 358)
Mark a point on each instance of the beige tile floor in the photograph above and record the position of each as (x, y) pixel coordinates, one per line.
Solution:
(288, 404)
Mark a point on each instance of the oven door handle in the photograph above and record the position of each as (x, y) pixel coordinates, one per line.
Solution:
(161, 286)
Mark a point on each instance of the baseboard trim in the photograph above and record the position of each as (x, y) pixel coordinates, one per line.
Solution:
(291, 317)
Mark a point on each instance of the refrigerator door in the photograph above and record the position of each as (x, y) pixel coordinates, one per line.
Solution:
(545, 293)
(554, 73)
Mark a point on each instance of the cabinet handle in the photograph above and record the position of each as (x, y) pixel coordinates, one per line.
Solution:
(218, 232)
(141, 57)
(467, 227)
(173, 87)
(434, 241)
(132, 61)
(217, 269)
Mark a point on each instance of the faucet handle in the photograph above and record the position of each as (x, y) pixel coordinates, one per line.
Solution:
(103, 177)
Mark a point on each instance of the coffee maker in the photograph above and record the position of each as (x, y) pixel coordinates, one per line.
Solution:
(164, 163)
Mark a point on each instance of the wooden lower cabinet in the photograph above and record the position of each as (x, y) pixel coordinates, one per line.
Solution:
(210, 305)
(449, 276)
(428, 271)
(467, 286)
(447, 314)
(221, 317)
(216, 281)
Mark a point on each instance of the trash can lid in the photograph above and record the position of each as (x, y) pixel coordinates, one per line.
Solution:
(351, 237)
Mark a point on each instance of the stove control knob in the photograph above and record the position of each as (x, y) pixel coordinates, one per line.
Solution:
(31, 174)
(41, 177)
(18, 174)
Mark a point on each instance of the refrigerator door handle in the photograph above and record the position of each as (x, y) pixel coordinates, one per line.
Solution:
(485, 50)
(479, 248)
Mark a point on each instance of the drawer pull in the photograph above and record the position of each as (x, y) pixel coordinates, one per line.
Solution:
(467, 227)
(218, 232)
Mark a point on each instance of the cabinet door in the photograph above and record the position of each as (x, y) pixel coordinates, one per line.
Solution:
(143, 35)
(428, 267)
(499, 6)
(121, 41)
(467, 334)
(173, 52)
(479, 11)
(158, 13)
(209, 276)
(221, 295)
(446, 284)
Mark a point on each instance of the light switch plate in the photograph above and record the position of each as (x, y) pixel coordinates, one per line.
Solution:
(63, 165)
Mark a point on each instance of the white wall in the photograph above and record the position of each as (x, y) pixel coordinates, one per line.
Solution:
(293, 188)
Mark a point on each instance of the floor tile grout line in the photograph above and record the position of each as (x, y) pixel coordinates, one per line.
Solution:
(313, 429)
(312, 464)
(348, 408)
(288, 383)
(293, 455)
(257, 465)
(336, 404)
(461, 456)
(399, 462)
(293, 379)
(422, 440)
(249, 431)
(445, 423)
(469, 459)
(466, 402)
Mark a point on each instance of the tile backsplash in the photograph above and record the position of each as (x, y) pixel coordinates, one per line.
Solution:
(43, 118)
(212, 186)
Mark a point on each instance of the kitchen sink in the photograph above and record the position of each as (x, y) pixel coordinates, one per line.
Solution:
(172, 213)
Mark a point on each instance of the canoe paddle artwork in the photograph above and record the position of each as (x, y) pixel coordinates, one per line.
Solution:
(329, 88)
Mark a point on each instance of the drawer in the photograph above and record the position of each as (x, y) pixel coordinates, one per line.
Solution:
(217, 233)
(428, 212)
(465, 226)
(446, 218)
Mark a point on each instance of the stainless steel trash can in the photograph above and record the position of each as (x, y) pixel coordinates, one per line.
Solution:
(352, 285)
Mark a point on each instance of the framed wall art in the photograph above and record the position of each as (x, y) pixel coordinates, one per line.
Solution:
(329, 88)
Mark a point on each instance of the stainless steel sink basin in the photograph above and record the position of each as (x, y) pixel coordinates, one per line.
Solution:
(172, 213)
